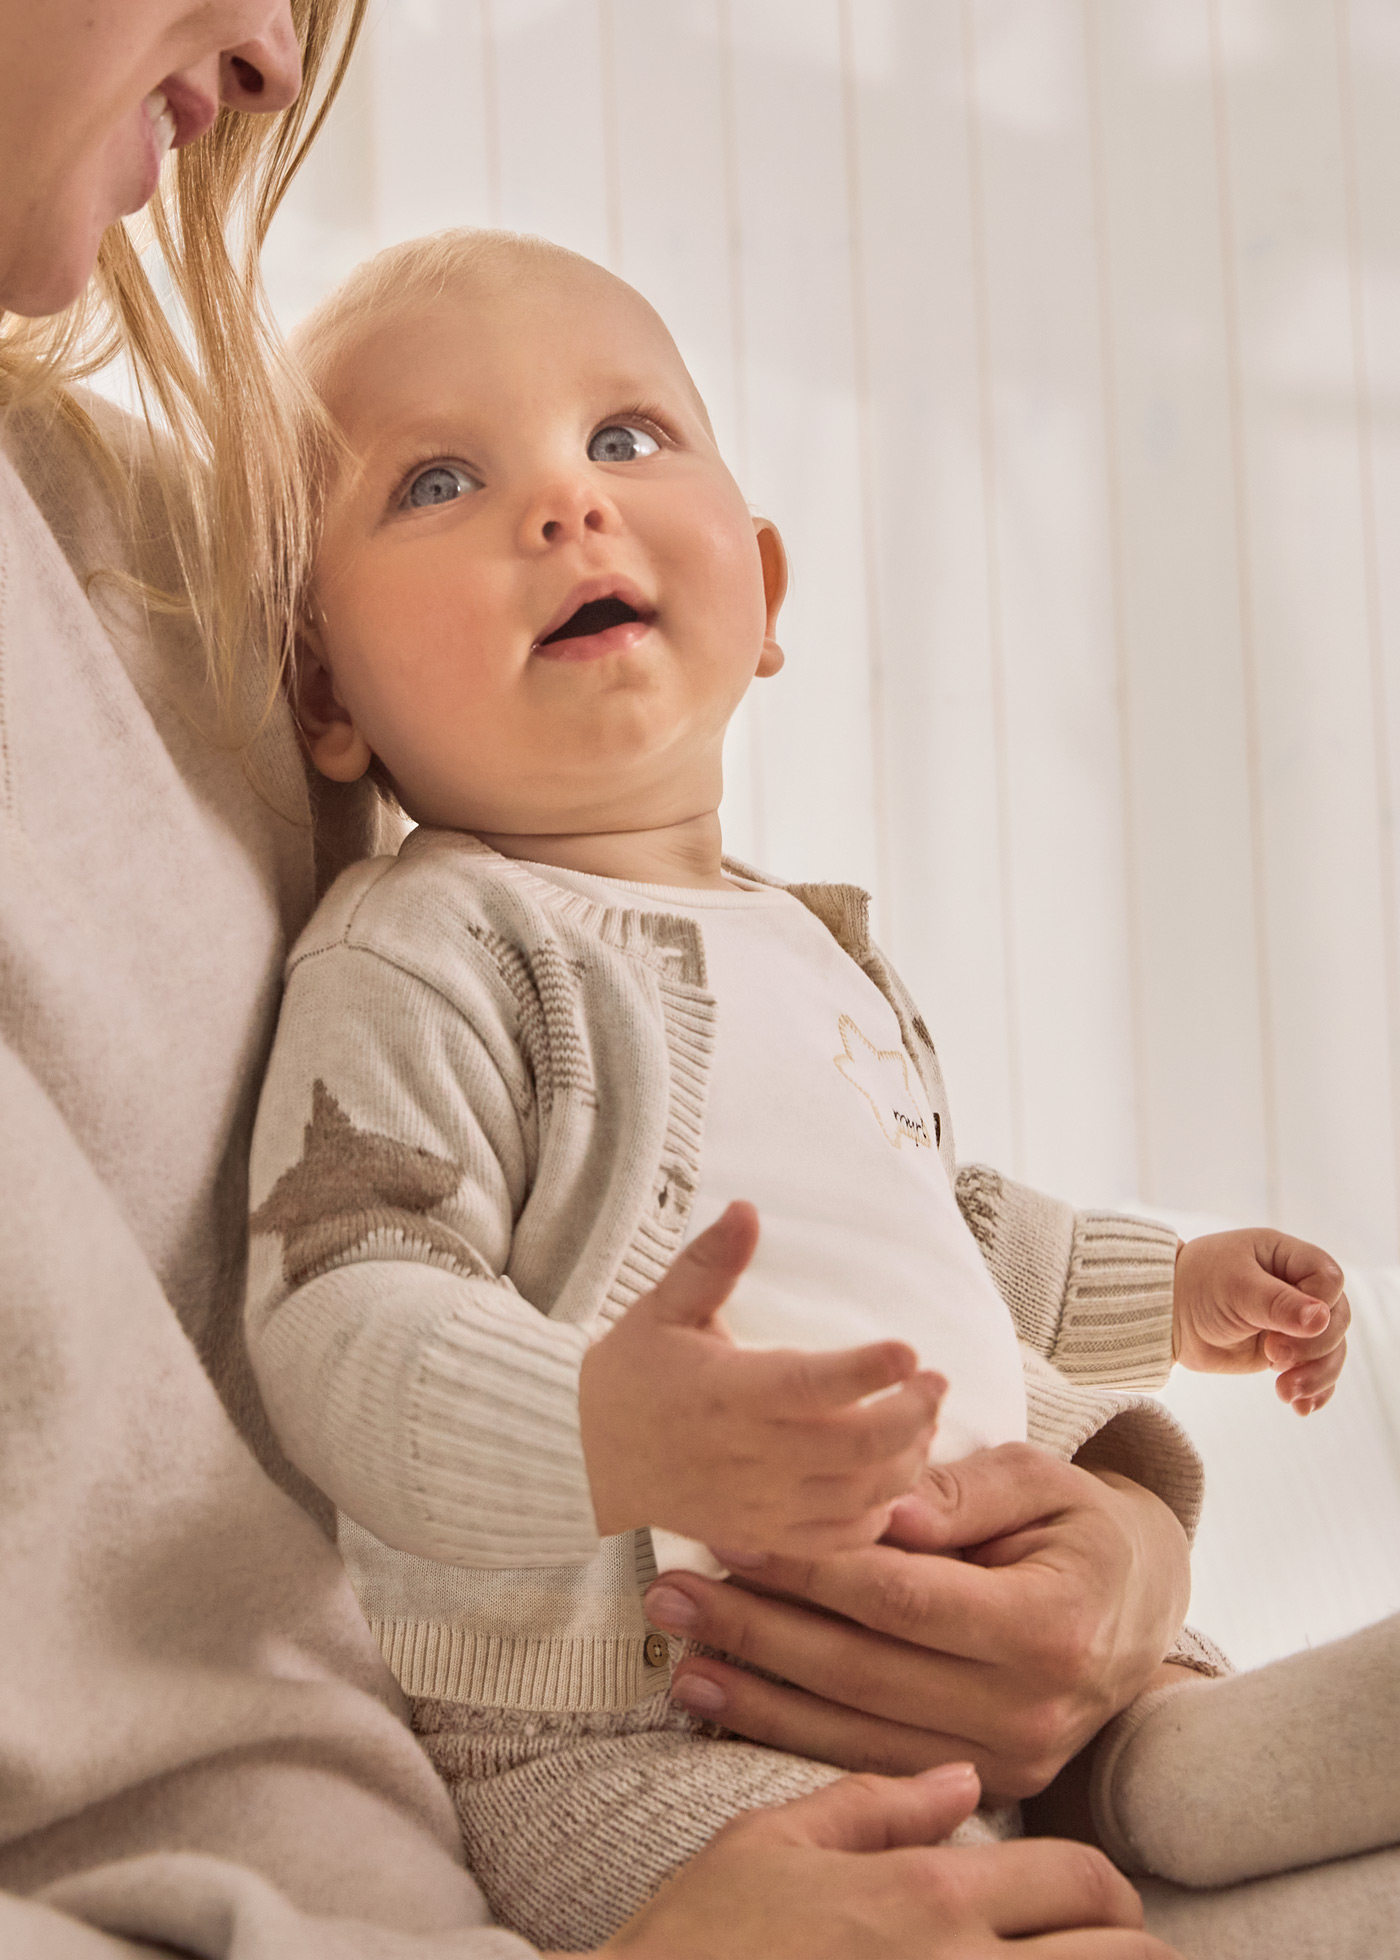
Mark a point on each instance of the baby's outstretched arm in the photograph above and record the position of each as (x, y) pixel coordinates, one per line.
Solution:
(750, 1452)
(1257, 1299)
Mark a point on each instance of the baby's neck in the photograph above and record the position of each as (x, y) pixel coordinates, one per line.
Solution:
(686, 853)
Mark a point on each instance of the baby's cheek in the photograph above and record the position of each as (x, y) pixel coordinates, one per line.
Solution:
(726, 595)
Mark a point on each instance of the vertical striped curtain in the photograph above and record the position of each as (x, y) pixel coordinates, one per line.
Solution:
(1062, 339)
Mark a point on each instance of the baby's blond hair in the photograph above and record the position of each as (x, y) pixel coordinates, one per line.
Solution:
(414, 274)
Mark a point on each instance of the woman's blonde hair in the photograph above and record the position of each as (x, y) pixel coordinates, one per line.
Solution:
(224, 395)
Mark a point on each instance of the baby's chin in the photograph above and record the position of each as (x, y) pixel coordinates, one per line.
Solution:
(618, 772)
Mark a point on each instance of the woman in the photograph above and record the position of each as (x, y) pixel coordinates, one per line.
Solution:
(199, 1746)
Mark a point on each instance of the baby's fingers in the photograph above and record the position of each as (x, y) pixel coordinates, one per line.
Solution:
(1310, 1369)
(1310, 1385)
(861, 1494)
(1307, 1267)
(1275, 1307)
(872, 1433)
(792, 1386)
(1285, 1351)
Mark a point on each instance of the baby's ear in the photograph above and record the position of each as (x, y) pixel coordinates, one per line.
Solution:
(332, 740)
(773, 556)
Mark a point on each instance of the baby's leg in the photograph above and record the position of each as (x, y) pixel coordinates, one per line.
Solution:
(571, 1822)
(1234, 1780)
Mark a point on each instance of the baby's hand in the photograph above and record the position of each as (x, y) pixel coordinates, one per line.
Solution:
(1258, 1299)
(750, 1452)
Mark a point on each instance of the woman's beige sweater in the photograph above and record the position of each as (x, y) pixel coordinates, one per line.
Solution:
(200, 1747)
(477, 1145)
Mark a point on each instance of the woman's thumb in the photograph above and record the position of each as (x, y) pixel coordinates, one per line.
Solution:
(883, 1813)
(704, 1275)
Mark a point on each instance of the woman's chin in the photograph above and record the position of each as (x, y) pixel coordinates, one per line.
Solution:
(47, 272)
(39, 283)
(132, 164)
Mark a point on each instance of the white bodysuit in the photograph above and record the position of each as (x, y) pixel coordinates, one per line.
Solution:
(816, 1115)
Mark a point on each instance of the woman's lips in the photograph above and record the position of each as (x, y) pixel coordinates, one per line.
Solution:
(169, 117)
(155, 134)
(191, 111)
(594, 646)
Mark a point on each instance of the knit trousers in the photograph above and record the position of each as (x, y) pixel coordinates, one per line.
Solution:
(571, 1822)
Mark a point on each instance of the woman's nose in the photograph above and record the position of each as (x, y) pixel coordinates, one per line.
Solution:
(263, 74)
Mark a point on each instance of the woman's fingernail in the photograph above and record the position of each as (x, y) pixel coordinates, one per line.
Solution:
(699, 1694)
(955, 1775)
(671, 1609)
(740, 1561)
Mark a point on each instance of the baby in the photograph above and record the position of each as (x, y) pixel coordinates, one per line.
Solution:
(523, 1063)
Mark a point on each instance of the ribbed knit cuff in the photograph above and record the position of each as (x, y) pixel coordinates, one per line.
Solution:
(1116, 1325)
(1092, 1291)
(1141, 1440)
(1027, 1240)
(1106, 1429)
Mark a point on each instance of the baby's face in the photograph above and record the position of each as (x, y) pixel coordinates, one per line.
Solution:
(540, 595)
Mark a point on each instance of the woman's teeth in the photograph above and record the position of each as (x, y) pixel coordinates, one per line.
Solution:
(158, 111)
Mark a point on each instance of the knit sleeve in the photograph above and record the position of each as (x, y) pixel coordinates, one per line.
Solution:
(1090, 1291)
(402, 1370)
(1114, 1429)
(1091, 1296)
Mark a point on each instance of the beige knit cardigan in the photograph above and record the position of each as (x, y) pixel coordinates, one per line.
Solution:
(477, 1146)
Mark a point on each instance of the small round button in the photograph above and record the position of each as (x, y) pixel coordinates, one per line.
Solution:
(657, 1650)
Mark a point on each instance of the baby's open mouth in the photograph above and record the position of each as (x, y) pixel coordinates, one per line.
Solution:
(596, 617)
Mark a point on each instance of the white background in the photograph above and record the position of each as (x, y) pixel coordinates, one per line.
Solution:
(1062, 339)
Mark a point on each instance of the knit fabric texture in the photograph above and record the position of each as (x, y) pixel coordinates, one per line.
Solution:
(201, 1749)
(1325, 1710)
(477, 1145)
(571, 1822)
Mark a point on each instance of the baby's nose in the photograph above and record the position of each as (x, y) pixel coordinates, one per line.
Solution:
(590, 520)
(564, 508)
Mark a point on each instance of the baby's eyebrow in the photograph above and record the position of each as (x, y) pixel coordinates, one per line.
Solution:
(401, 439)
(667, 393)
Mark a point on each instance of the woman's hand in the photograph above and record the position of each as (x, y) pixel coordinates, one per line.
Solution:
(1259, 1299)
(1071, 1588)
(776, 1451)
(846, 1874)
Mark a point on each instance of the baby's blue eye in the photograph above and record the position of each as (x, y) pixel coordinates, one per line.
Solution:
(621, 443)
(441, 483)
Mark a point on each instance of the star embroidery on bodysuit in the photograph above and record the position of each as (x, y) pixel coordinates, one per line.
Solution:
(881, 1075)
(350, 1185)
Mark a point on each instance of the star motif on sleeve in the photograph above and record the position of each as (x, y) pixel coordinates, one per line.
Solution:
(881, 1075)
(350, 1184)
